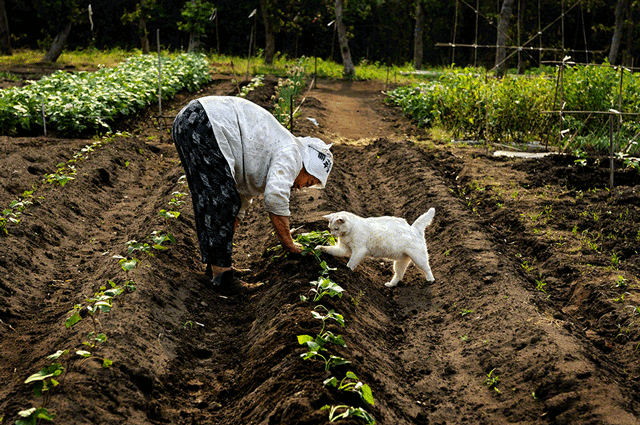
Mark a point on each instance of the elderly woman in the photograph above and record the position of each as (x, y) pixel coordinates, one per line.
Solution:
(233, 150)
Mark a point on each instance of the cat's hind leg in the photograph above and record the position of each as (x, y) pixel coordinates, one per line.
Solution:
(399, 267)
(421, 260)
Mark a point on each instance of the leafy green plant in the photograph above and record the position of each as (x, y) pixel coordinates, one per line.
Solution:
(491, 381)
(315, 345)
(351, 383)
(255, 82)
(312, 239)
(176, 201)
(88, 101)
(62, 175)
(287, 91)
(314, 351)
(325, 286)
(621, 282)
(168, 215)
(540, 284)
(348, 411)
(34, 415)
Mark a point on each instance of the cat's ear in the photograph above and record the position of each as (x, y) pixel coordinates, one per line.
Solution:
(340, 221)
(329, 216)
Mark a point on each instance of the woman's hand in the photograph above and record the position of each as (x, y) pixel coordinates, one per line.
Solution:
(281, 226)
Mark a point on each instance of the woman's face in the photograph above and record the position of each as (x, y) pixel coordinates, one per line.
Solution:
(304, 179)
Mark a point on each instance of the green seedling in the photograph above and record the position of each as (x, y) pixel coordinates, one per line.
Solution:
(45, 379)
(34, 415)
(176, 201)
(331, 315)
(62, 176)
(621, 282)
(253, 84)
(526, 266)
(313, 351)
(316, 345)
(615, 260)
(356, 300)
(351, 383)
(321, 340)
(492, 381)
(101, 301)
(128, 264)
(540, 284)
(312, 239)
(621, 298)
(92, 343)
(325, 286)
(465, 311)
(349, 411)
(169, 215)
(134, 245)
(160, 238)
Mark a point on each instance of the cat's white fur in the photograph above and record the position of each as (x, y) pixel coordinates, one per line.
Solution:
(381, 237)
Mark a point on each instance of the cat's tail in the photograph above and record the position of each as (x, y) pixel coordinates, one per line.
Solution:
(424, 220)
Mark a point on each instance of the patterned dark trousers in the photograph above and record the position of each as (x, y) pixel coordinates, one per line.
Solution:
(216, 200)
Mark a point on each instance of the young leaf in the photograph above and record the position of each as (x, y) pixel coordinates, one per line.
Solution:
(303, 339)
(75, 318)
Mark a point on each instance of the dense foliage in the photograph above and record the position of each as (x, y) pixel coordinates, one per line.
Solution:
(473, 104)
(87, 101)
(379, 30)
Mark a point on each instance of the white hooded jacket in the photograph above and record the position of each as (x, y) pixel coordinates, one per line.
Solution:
(265, 158)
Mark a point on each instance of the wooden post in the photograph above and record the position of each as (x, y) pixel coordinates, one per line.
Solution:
(611, 151)
(291, 113)
(159, 81)
(44, 120)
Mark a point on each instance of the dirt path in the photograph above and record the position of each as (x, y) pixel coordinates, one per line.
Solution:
(483, 344)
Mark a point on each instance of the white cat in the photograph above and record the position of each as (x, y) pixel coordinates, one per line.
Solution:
(381, 237)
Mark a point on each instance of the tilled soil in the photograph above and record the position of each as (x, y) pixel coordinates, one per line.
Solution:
(532, 317)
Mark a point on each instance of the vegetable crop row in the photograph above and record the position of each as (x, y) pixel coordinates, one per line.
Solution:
(319, 346)
(75, 103)
(469, 103)
(51, 376)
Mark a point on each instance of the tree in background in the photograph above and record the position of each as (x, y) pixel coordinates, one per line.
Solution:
(195, 15)
(141, 15)
(60, 16)
(269, 35)
(622, 8)
(418, 36)
(5, 34)
(349, 70)
(503, 36)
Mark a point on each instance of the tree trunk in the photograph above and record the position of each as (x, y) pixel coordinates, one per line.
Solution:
(144, 35)
(58, 45)
(194, 42)
(349, 70)
(5, 35)
(418, 36)
(621, 8)
(503, 37)
(269, 36)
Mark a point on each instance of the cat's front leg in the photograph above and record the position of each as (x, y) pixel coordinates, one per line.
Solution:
(338, 250)
(356, 258)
